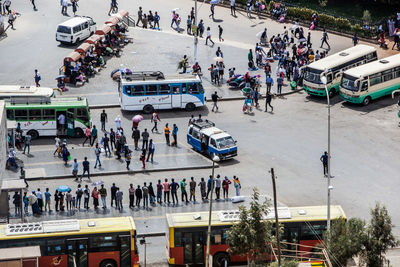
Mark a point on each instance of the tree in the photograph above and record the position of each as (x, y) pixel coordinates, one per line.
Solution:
(345, 240)
(366, 17)
(379, 237)
(250, 236)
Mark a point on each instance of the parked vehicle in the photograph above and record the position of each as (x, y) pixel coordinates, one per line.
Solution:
(75, 30)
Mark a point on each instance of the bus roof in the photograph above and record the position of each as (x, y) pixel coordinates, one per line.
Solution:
(69, 227)
(337, 58)
(74, 21)
(54, 102)
(17, 91)
(375, 66)
(169, 78)
(291, 214)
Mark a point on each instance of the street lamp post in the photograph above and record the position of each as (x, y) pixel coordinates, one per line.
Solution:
(195, 40)
(215, 159)
(329, 187)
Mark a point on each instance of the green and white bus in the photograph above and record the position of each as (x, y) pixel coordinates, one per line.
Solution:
(40, 117)
(371, 81)
(332, 66)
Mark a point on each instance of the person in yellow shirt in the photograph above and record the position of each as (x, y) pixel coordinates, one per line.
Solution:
(166, 132)
(311, 57)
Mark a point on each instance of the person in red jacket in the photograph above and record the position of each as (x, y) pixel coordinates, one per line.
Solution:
(225, 186)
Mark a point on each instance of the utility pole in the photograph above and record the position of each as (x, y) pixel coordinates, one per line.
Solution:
(195, 39)
(276, 217)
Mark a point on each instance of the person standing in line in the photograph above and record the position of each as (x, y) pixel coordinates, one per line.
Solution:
(56, 200)
(97, 152)
(95, 196)
(152, 196)
(68, 198)
(183, 191)
(218, 186)
(16, 199)
(47, 198)
(113, 195)
(155, 119)
(209, 185)
(156, 21)
(279, 82)
(33, 203)
(61, 197)
(112, 139)
(143, 158)
(88, 136)
(79, 194)
(166, 191)
(202, 185)
(136, 137)
(220, 30)
(37, 77)
(131, 191)
(159, 192)
(106, 145)
(103, 120)
(209, 36)
(151, 150)
(268, 98)
(233, 8)
(118, 198)
(215, 98)
(145, 190)
(140, 16)
(325, 39)
(94, 135)
(26, 202)
(237, 185)
(174, 188)
(139, 196)
(192, 186)
(85, 165)
(86, 197)
(324, 160)
(225, 186)
(175, 135)
(28, 139)
(145, 139)
(39, 196)
(103, 195)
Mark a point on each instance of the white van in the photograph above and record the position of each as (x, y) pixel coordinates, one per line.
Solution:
(75, 30)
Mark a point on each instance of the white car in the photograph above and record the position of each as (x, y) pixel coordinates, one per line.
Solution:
(75, 30)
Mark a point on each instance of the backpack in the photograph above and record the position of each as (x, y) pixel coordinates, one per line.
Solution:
(79, 192)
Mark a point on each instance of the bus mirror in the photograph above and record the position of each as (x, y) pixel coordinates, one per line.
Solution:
(235, 141)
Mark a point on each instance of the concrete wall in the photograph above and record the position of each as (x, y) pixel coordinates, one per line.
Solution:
(3, 140)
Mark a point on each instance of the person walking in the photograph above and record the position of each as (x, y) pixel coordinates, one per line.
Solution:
(37, 78)
(113, 7)
(139, 196)
(103, 195)
(159, 191)
(155, 119)
(39, 197)
(175, 135)
(140, 16)
(103, 120)
(47, 199)
(6, 6)
(396, 40)
(192, 187)
(113, 191)
(202, 185)
(95, 196)
(220, 31)
(215, 98)
(28, 139)
(218, 186)
(145, 191)
(212, 9)
(118, 197)
(279, 82)
(11, 19)
(183, 191)
(88, 136)
(128, 157)
(237, 185)
(85, 165)
(174, 188)
(58, 142)
(74, 6)
(106, 145)
(268, 98)
(136, 137)
(152, 196)
(86, 197)
(325, 39)
(151, 150)
(131, 191)
(112, 139)
(97, 152)
(64, 7)
(225, 186)
(324, 160)
(94, 135)
(233, 8)
(22, 176)
(79, 194)
(65, 154)
(145, 139)
(166, 191)
(208, 34)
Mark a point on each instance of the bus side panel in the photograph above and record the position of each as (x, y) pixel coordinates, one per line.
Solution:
(95, 258)
(59, 261)
(134, 258)
(177, 254)
(195, 99)
(196, 144)
(44, 128)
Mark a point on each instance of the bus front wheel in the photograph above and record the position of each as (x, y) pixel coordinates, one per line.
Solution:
(221, 260)
(148, 109)
(108, 263)
(190, 107)
(78, 133)
(34, 134)
(332, 93)
(366, 101)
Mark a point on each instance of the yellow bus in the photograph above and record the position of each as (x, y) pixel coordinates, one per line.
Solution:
(187, 232)
(105, 242)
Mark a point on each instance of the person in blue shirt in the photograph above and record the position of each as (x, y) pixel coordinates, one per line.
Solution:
(75, 169)
(94, 135)
(279, 82)
(209, 185)
(47, 197)
(175, 135)
(156, 21)
(173, 186)
(269, 81)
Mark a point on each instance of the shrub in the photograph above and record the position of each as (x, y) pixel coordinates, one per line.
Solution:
(326, 20)
(271, 5)
(356, 28)
(300, 13)
(342, 23)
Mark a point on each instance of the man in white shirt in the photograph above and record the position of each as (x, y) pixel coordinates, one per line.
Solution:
(61, 122)
(39, 196)
(64, 4)
(233, 8)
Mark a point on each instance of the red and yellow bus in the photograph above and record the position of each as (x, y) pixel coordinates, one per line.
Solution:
(187, 232)
(105, 242)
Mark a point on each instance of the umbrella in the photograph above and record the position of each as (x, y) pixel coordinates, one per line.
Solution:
(114, 71)
(60, 76)
(63, 188)
(218, 59)
(137, 118)
(97, 183)
(175, 9)
(259, 34)
(214, 2)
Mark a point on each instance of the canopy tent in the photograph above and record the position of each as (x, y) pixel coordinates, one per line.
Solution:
(112, 20)
(83, 48)
(72, 57)
(103, 30)
(93, 39)
(121, 14)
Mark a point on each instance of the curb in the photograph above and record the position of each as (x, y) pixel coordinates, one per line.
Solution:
(122, 172)
(104, 106)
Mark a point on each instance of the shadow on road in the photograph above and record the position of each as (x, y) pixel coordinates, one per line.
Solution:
(377, 104)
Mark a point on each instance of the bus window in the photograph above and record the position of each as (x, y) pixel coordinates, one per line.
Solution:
(151, 89)
(21, 115)
(55, 247)
(312, 232)
(176, 89)
(329, 78)
(212, 142)
(184, 91)
(10, 114)
(128, 90)
(77, 28)
(396, 74)
(138, 90)
(82, 114)
(364, 86)
(387, 75)
(103, 243)
(164, 89)
(49, 114)
(35, 114)
(196, 134)
(375, 79)
(193, 88)
(178, 238)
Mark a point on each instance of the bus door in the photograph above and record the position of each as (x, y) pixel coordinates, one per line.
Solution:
(193, 246)
(77, 251)
(70, 123)
(176, 97)
(125, 250)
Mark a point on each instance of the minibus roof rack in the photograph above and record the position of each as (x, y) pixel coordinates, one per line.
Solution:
(143, 76)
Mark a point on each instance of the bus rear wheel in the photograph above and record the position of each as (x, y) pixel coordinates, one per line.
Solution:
(108, 263)
(220, 259)
(34, 134)
(148, 109)
(78, 133)
(366, 101)
(190, 107)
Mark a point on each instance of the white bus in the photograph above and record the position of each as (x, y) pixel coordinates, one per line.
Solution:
(331, 67)
(14, 91)
(373, 80)
(148, 91)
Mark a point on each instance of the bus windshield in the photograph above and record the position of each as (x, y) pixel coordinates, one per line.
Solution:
(312, 75)
(349, 83)
(225, 142)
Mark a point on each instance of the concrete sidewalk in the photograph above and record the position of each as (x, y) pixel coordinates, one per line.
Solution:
(42, 164)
